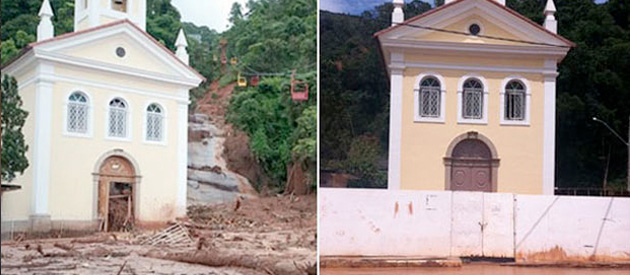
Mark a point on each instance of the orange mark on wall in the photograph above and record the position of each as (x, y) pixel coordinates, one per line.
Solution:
(558, 255)
(396, 209)
(410, 208)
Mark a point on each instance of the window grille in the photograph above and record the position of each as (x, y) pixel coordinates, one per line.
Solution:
(77, 113)
(430, 94)
(117, 118)
(473, 99)
(514, 101)
(154, 123)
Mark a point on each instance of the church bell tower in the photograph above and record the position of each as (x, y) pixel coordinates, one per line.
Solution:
(93, 13)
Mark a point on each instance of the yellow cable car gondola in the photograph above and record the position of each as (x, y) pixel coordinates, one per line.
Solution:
(233, 61)
(240, 81)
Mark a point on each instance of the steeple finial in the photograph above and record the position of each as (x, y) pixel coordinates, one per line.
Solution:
(181, 45)
(45, 28)
(550, 8)
(398, 16)
(551, 24)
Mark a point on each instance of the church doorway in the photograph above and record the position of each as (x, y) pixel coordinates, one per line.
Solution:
(471, 164)
(117, 184)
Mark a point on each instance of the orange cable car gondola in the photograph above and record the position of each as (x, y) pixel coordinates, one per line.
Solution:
(299, 89)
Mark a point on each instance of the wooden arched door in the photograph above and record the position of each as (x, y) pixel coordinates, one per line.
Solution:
(116, 190)
(470, 167)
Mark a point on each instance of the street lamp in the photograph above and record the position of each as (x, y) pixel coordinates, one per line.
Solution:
(627, 143)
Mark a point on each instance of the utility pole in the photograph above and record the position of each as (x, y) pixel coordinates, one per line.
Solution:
(627, 143)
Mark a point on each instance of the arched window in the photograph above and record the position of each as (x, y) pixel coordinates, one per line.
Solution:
(472, 101)
(77, 120)
(430, 92)
(515, 101)
(117, 118)
(154, 127)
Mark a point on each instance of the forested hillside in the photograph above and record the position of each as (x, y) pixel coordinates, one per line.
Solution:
(267, 38)
(275, 38)
(593, 82)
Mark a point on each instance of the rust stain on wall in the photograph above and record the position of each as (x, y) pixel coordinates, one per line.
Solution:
(410, 208)
(395, 209)
(558, 255)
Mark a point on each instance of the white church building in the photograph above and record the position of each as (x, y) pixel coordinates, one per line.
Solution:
(107, 125)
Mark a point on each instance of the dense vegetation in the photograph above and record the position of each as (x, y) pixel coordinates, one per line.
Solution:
(276, 37)
(593, 81)
(273, 36)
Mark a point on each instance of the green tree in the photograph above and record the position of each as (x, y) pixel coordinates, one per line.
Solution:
(235, 13)
(12, 120)
(8, 50)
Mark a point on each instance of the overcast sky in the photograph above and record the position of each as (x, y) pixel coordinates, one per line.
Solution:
(359, 6)
(211, 13)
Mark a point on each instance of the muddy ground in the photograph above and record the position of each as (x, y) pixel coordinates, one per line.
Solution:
(477, 269)
(272, 235)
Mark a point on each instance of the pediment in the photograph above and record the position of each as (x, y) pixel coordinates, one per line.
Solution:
(121, 46)
(496, 21)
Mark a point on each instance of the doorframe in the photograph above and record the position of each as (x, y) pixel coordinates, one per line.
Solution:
(494, 161)
(96, 178)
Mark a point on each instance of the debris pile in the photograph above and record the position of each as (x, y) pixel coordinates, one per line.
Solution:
(260, 215)
(273, 235)
(175, 235)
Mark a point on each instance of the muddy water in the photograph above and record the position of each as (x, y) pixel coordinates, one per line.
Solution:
(477, 269)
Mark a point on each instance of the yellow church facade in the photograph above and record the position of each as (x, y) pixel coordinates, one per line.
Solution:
(107, 124)
(472, 98)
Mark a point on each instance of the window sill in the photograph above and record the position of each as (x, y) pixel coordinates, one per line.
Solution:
(439, 120)
(125, 139)
(155, 143)
(77, 135)
(472, 121)
(514, 123)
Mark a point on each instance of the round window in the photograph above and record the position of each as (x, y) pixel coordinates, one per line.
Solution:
(474, 29)
(120, 52)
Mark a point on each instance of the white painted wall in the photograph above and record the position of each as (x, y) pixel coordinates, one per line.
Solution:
(580, 226)
(379, 222)
(356, 222)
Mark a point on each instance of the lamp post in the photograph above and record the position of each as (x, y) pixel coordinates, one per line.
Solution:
(627, 143)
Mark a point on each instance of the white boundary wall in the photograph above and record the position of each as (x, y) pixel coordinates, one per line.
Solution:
(361, 222)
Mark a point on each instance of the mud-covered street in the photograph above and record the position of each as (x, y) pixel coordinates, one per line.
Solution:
(274, 235)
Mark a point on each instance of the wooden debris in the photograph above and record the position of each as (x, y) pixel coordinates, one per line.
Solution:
(31, 265)
(121, 268)
(97, 239)
(238, 204)
(53, 268)
(201, 243)
(65, 247)
(175, 235)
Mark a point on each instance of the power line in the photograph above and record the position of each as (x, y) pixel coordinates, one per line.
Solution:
(479, 35)
(463, 33)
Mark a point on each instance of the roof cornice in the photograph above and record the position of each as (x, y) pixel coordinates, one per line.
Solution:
(471, 48)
